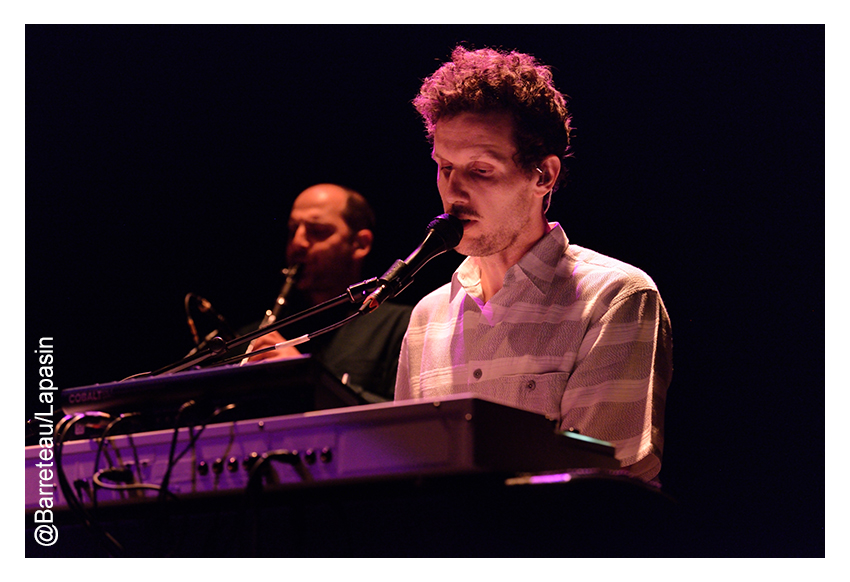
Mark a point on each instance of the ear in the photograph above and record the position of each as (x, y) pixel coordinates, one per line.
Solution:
(362, 243)
(550, 168)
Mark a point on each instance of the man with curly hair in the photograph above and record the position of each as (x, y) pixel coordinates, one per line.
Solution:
(529, 319)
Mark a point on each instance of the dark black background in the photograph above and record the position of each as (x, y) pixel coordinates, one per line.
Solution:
(163, 159)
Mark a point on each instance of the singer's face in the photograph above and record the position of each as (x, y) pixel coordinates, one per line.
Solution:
(320, 240)
(480, 183)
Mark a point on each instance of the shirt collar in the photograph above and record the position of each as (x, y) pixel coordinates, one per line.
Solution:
(538, 265)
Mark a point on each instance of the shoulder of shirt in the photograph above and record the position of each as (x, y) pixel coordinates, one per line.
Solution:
(437, 297)
(627, 279)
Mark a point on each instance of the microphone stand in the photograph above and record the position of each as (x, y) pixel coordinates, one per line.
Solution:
(444, 233)
(218, 346)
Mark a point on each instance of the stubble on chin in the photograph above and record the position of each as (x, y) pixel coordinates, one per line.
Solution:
(489, 244)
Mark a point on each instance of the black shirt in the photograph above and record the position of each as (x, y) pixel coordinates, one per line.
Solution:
(363, 353)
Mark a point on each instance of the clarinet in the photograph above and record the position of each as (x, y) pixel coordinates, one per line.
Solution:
(272, 314)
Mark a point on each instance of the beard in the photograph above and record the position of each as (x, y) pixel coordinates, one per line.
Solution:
(493, 235)
(487, 244)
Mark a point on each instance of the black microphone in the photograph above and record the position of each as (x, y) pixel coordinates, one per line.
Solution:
(444, 233)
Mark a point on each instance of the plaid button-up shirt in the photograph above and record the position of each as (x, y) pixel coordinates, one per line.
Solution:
(572, 334)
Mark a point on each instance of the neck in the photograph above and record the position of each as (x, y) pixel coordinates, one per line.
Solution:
(494, 267)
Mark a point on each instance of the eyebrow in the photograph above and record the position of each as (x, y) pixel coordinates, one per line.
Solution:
(484, 153)
(309, 221)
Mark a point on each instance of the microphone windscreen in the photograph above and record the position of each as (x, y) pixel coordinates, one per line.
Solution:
(449, 228)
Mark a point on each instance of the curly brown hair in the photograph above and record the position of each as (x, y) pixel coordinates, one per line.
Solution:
(487, 80)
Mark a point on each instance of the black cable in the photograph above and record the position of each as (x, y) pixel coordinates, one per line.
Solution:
(100, 447)
(255, 475)
(254, 487)
(310, 336)
(109, 543)
(173, 459)
(170, 465)
(119, 474)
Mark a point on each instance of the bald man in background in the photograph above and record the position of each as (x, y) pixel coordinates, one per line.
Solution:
(331, 231)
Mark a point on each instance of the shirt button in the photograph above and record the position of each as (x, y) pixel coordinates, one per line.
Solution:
(531, 385)
(477, 374)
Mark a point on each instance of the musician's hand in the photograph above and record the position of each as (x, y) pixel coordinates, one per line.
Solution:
(268, 340)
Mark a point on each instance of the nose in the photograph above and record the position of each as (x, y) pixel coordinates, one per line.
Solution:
(452, 188)
(298, 242)
(299, 237)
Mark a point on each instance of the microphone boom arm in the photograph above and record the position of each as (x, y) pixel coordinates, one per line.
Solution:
(443, 233)
(218, 346)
